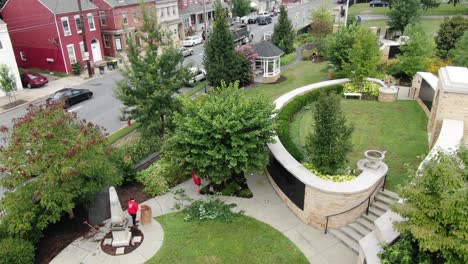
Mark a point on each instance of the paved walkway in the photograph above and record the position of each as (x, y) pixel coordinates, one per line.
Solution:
(265, 206)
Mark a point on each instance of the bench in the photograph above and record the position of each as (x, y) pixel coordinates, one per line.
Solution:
(346, 95)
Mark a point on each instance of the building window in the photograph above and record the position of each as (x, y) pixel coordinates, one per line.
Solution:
(91, 24)
(66, 26)
(174, 10)
(79, 25)
(22, 55)
(102, 18)
(124, 18)
(135, 15)
(71, 53)
(129, 36)
(106, 41)
(84, 55)
(1, 45)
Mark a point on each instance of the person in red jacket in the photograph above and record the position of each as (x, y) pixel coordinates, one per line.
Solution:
(132, 209)
(196, 180)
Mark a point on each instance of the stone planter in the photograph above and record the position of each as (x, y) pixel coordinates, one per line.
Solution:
(388, 94)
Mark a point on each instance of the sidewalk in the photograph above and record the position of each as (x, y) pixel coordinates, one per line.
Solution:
(27, 96)
(265, 206)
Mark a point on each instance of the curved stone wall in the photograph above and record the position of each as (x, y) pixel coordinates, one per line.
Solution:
(322, 197)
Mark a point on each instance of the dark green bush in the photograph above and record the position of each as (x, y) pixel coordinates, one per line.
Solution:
(77, 68)
(16, 251)
(406, 251)
(291, 109)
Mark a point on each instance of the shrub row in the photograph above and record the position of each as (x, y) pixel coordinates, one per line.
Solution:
(291, 109)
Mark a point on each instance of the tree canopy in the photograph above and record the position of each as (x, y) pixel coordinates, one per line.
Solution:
(459, 54)
(222, 133)
(240, 8)
(52, 161)
(435, 206)
(339, 47)
(403, 13)
(283, 33)
(7, 80)
(150, 80)
(449, 32)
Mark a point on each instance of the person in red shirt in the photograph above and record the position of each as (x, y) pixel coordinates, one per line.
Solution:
(196, 180)
(133, 209)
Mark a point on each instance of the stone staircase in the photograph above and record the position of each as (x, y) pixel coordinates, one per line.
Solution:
(352, 233)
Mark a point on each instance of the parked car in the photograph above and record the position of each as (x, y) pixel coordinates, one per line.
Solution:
(252, 20)
(192, 41)
(70, 96)
(272, 14)
(263, 14)
(198, 75)
(186, 51)
(33, 79)
(375, 3)
(262, 21)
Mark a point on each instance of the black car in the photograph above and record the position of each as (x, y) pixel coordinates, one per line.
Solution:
(378, 3)
(70, 96)
(252, 20)
(262, 21)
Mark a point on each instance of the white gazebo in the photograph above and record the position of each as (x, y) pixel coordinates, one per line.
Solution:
(267, 64)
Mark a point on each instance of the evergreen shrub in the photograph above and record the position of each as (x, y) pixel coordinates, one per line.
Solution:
(16, 251)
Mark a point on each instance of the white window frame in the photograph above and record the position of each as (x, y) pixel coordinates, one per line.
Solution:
(78, 18)
(22, 55)
(65, 31)
(103, 18)
(124, 18)
(91, 22)
(70, 57)
(135, 15)
(106, 39)
(83, 52)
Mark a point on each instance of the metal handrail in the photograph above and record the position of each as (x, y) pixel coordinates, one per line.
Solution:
(356, 206)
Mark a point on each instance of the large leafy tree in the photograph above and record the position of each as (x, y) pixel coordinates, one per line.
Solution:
(436, 208)
(52, 161)
(150, 80)
(403, 13)
(7, 81)
(321, 24)
(416, 53)
(449, 32)
(241, 8)
(330, 140)
(459, 54)
(364, 57)
(283, 33)
(339, 47)
(221, 61)
(222, 133)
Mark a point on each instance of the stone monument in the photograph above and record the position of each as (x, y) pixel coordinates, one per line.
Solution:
(119, 222)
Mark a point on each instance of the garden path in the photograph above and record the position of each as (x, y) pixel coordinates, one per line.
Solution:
(265, 206)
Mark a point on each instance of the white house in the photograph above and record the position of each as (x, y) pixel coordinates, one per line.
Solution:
(7, 55)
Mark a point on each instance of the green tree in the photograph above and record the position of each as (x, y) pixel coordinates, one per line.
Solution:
(240, 8)
(459, 54)
(435, 206)
(222, 133)
(321, 24)
(403, 13)
(330, 141)
(150, 81)
(7, 81)
(416, 53)
(283, 33)
(364, 57)
(454, 2)
(428, 4)
(221, 61)
(339, 47)
(53, 161)
(449, 32)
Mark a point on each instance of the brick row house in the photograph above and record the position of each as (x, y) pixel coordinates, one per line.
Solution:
(47, 34)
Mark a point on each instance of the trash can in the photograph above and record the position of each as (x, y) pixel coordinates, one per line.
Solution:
(101, 69)
(146, 215)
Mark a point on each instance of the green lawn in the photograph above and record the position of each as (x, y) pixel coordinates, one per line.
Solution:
(305, 72)
(245, 240)
(399, 128)
(443, 9)
(429, 25)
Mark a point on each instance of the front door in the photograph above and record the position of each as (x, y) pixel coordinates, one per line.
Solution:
(118, 42)
(96, 49)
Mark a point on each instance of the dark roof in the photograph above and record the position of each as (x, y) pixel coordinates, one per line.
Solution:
(266, 49)
(67, 6)
(196, 8)
(116, 3)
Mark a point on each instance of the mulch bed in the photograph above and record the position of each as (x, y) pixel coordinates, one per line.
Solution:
(13, 104)
(111, 250)
(59, 235)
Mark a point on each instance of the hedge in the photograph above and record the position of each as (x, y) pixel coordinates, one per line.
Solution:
(16, 251)
(291, 109)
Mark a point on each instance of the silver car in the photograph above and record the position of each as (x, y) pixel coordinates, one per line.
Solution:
(192, 41)
(186, 52)
(198, 75)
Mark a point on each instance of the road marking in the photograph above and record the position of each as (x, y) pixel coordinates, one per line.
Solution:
(76, 108)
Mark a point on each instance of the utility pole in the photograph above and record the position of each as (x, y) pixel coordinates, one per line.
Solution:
(85, 43)
(204, 20)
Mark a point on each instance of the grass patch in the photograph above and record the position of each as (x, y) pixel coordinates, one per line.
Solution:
(443, 9)
(112, 138)
(58, 74)
(399, 128)
(304, 73)
(286, 59)
(245, 240)
(200, 86)
(429, 25)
